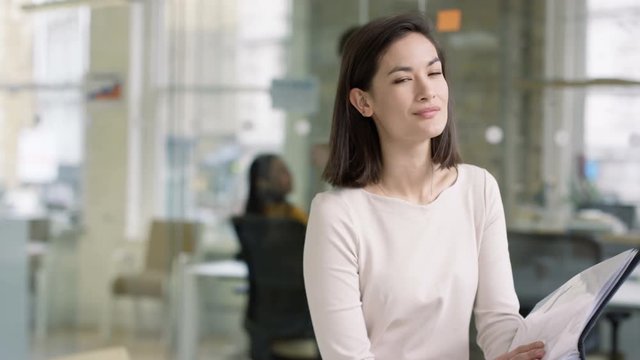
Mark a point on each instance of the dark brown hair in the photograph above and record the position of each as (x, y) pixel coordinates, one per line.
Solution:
(260, 170)
(342, 41)
(355, 156)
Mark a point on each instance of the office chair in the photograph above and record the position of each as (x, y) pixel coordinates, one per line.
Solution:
(168, 242)
(542, 262)
(277, 315)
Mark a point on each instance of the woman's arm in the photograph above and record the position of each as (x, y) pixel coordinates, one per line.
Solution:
(332, 282)
(496, 307)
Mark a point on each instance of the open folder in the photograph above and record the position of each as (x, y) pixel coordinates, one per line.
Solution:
(564, 318)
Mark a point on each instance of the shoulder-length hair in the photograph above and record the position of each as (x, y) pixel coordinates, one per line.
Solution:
(355, 156)
(260, 170)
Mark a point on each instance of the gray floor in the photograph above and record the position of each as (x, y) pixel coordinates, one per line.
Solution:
(145, 346)
(222, 336)
(149, 346)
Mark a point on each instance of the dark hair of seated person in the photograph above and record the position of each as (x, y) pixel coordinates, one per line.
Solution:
(269, 184)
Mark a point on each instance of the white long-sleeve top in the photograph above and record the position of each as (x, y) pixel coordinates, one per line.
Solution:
(390, 280)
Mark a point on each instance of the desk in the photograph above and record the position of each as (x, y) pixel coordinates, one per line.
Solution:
(629, 239)
(628, 295)
(623, 302)
(188, 295)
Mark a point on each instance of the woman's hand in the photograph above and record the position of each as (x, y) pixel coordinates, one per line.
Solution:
(535, 350)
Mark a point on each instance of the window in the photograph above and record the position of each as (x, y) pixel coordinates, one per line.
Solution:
(612, 112)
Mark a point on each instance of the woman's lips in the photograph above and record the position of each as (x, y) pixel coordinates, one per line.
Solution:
(428, 112)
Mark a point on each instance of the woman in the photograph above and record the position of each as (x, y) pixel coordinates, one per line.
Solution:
(269, 184)
(411, 240)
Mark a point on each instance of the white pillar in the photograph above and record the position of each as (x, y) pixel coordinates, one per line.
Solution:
(145, 151)
(16, 108)
(105, 168)
(296, 147)
(151, 136)
(564, 60)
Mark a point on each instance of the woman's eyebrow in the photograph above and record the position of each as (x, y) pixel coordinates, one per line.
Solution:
(433, 61)
(400, 68)
(409, 68)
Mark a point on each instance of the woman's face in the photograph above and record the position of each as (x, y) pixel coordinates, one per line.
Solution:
(280, 177)
(409, 94)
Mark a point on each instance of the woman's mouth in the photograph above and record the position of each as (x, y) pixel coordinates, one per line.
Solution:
(428, 112)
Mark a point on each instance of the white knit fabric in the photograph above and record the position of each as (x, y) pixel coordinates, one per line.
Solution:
(391, 280)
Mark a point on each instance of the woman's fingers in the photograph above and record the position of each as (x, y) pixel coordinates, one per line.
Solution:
(535, 350)
(528, 347)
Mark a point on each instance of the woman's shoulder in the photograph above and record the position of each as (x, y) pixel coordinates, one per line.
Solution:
(479, 181)
(337, 198)
(475, 174)
(338, 195)
(472, 171)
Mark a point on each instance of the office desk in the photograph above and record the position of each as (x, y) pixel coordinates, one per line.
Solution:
(628, 295)
(188, 324)
(629, 239)
(625, 301)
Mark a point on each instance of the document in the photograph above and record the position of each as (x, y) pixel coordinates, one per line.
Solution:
(564, 318)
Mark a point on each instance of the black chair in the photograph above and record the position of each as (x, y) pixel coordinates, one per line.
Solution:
(277, 311)
(542, 262)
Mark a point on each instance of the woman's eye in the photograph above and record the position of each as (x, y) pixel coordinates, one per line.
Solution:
(398, 81)
(435, 73)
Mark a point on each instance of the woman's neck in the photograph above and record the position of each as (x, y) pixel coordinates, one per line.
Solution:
(408, 173)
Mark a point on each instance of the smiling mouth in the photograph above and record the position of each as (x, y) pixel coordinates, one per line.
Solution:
(428, 113)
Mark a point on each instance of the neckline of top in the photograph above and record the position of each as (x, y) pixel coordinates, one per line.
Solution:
(454, 184)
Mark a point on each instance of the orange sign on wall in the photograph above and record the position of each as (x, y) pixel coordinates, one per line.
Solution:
(449, 20)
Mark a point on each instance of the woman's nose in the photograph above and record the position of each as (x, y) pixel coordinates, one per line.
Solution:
(423, 90)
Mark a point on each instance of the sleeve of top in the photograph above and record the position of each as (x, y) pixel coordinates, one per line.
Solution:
(496, 307)
(332, 282)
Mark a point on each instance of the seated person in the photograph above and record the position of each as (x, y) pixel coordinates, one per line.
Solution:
(269, 184)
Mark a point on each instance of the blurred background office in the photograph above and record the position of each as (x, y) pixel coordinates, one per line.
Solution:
(128, 128)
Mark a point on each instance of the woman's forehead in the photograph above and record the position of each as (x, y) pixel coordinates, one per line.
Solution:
(410, 49)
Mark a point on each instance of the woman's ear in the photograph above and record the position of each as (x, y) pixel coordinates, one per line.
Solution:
(360, 100)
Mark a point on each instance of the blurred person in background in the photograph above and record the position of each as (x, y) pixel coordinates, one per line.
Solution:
(269, 184)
